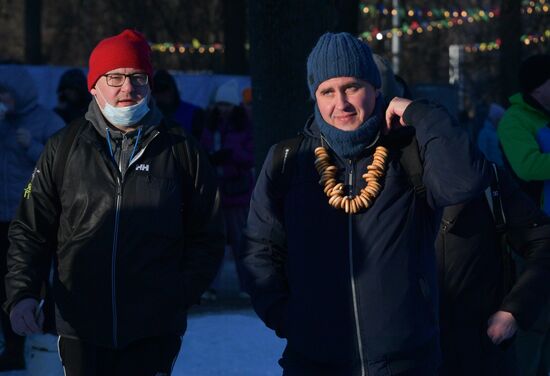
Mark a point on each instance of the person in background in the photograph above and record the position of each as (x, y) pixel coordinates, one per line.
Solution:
(247, 101)
(524, 134)
(133, 221)
(487, 138)
(390, 88)
(227, 138)
(73, 97)
(167, 96)
(482, 303)
(25, 126)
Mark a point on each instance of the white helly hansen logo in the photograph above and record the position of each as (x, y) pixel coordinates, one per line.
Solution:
(142, 167)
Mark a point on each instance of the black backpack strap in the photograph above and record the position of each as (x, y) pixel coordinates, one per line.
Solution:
(410, 160)
(179, 147)
(283, 162)
(494, 199)
(404, 140)
(62, 155)
(180, 151)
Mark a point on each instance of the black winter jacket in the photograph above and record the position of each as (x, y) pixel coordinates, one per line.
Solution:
(470, 255)
(132, 251)
(475, 280)
(354, 292)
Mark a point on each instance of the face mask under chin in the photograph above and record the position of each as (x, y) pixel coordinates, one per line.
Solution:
(124, 116)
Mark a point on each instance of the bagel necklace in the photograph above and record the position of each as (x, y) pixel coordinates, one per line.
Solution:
(335, 190)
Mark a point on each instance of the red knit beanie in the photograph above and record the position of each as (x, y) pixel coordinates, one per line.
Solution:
(128, 49)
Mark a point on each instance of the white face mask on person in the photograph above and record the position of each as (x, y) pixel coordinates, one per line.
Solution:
(124, 116)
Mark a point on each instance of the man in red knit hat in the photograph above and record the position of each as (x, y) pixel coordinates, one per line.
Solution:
(129, 209)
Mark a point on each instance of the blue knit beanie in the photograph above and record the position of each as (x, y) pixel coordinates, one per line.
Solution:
(340, 55)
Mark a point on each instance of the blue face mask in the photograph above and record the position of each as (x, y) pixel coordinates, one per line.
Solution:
(124, 116)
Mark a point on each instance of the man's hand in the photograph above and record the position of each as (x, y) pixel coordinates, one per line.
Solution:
(394, 113)
(27, 317)
(501, 326)
(23, 137)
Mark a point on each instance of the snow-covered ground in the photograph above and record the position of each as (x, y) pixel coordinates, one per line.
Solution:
(236, 344)
(229, 344)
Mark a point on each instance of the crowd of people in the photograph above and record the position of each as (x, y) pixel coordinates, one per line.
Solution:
(381, 240)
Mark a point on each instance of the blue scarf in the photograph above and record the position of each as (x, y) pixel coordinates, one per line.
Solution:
(348, 144)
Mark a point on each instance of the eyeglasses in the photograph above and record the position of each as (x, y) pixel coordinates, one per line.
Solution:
(118, 79)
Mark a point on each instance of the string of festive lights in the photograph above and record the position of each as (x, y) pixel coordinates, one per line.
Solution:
(373, 11)
(425, 26)
(423, 13)
(416, 27)
(452, 17)
(188, 48)
(528, 40)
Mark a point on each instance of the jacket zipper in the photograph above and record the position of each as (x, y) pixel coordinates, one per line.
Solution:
(120, 181)
(115, 243)
(352, 279)
(113, 260)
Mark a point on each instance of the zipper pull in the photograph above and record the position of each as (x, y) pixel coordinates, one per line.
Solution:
(119, 187)
(350, 178)
(446, 224)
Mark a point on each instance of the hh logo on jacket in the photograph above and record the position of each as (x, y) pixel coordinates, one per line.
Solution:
(142, 167)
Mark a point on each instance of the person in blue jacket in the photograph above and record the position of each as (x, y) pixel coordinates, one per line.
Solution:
(340, 261)
(25, 126)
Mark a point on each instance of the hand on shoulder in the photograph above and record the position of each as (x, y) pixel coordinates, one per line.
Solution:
(394, 113)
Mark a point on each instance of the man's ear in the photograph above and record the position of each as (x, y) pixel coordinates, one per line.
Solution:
(93, 91)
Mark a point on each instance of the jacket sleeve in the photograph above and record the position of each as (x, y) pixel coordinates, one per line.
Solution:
(528, 234)
(33, 233)
(454, 169)
(203, 221)
(263, 258)
(522, 149)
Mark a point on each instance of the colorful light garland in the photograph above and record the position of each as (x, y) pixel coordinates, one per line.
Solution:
(528, 40)
(187, 48)
(373, 11)
(463, 17)
(419, 13)
(452, 17)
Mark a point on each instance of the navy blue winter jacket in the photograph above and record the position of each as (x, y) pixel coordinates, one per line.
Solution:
(357, 294)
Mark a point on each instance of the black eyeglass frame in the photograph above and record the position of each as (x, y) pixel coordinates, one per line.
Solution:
(132, 76)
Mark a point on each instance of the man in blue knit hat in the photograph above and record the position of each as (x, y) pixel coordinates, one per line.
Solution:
(339, 257)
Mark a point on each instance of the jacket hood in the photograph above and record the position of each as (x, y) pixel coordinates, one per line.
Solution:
(528, 103)
(311, 129)
(18, 81)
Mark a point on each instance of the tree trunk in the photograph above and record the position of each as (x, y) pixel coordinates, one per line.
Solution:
(510, 49)
(33, 35)
(234, 29)
(282, 33)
